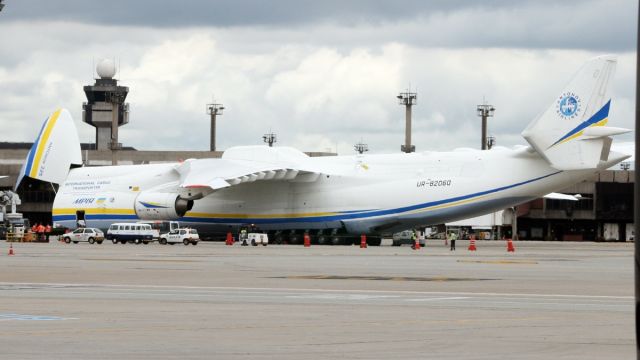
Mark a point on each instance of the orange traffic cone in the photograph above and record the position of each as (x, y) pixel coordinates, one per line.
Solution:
(11, 250)
(510, 247)
(472, 244)
(416, 244)
(229, 240)
(307, 240)
(363, 241)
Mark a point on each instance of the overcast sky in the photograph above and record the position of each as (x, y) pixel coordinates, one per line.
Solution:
(321, 74)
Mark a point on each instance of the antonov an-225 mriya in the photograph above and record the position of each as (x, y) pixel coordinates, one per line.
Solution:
(281, 188)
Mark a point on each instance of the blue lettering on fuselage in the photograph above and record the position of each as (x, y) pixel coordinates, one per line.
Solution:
(83, 201)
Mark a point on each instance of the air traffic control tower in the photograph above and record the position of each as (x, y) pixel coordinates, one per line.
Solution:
(105, 107)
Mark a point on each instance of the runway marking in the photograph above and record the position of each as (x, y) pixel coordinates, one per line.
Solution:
(144, 260)
(383, 278)
(341, 297)
(501, 262)
(23, 317)
(187, 287)
(440, 299)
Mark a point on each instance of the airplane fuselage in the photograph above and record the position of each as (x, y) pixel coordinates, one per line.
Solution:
(362, 194)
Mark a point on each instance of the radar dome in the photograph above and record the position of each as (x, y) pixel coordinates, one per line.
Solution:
(106, 68)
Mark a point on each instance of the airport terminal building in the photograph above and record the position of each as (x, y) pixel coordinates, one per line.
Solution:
(604, 212)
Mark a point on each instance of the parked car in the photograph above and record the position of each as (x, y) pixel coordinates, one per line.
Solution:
(125, 232)
(185, 236)
(406, 237)
(90, 235)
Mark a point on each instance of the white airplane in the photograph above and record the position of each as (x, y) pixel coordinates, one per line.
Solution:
(281, 188)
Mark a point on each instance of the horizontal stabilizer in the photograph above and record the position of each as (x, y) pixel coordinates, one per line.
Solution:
(602, 131)
(559, 196)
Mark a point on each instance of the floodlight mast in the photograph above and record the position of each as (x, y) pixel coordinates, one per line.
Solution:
(269, 138)
(485, 111)
(214, 110)
(408, 99)
(360, 147)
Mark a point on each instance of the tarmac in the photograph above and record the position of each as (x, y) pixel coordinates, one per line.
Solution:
(548, 300)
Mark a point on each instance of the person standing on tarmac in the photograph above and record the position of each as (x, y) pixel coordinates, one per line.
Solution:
(243, 237)
(452, 240)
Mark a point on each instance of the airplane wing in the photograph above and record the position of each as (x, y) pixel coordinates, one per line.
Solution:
(242, 165)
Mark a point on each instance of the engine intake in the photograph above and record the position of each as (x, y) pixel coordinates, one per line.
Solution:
(161, 206)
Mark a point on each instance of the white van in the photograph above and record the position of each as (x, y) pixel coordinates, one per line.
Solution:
(125, 232)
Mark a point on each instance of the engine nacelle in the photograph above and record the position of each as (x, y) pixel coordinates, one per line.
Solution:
(161, 206)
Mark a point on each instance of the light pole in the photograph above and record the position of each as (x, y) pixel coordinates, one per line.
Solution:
(485, 111)
(408, 99)
(269, 138)
(214, 110)
(361, 148)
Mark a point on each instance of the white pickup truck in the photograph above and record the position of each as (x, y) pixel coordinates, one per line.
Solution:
(185, 236)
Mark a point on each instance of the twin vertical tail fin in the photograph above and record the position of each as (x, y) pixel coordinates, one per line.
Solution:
(56, 148)
(572, 133)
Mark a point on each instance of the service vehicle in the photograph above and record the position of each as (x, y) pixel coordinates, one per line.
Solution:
(90, 235)
(258, 238)
(125, 232)
(185, 236)
(161, 227)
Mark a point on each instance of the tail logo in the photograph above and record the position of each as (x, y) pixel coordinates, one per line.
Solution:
(569, 105)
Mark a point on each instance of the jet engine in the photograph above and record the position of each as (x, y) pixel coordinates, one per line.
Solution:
(161, 206)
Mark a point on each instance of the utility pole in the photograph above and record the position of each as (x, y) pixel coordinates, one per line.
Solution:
(485, 111)
(408, 99)
(269, 138)
(214, 110)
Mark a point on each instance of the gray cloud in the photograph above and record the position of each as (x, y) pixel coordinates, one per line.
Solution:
(606, 25)
(322, 80)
